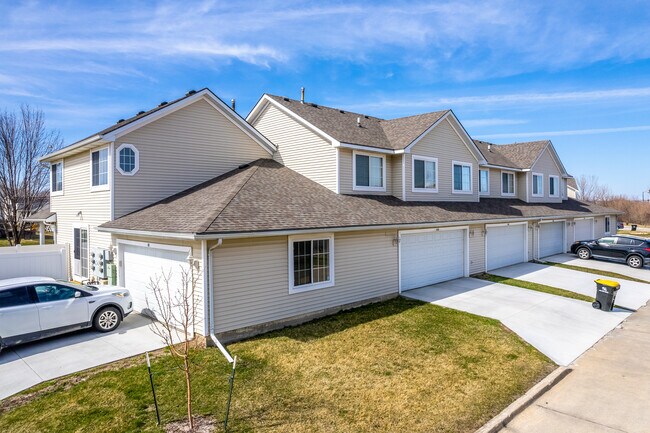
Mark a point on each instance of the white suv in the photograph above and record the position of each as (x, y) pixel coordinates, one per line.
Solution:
(32, 308)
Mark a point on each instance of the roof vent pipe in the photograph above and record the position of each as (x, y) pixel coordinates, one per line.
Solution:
(489, 147)
(359, 122)
(232, 104)
(302, 95)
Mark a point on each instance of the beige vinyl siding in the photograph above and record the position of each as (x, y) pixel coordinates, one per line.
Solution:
(346, 184)
(599, 227)
(196, 255)
(476, 249)
(396, 170)
(79, 205)
(545, 165)
(533, 238)
(251, 285)
(520, 180)
(299, 148)
(570, 233)
(181, 150)
(443, 143)
(495, 183)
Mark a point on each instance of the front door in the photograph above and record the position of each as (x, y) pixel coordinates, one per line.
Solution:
(80, 262)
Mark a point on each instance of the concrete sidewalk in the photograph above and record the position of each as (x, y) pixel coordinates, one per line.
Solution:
(608, 391)
(602, 265)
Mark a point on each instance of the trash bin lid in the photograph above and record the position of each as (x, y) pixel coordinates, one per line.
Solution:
(608, 283)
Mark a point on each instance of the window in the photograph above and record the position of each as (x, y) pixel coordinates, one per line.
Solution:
(53, 292)
(507, 183)
(56, 177)
(99, 168)
(425, 174)
(538, 185)
(624, 241)
(484, 181)
(554, 186)
(607, 225)
(607, 240)
(310, 263)
(14, 297)
(462, 178)
(128, 159)
(369, 172)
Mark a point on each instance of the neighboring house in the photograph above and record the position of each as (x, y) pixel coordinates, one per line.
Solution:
(572, 188)
(311, 209)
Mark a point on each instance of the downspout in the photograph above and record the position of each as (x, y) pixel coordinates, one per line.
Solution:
(210, 296)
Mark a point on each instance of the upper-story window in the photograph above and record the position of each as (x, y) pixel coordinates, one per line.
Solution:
(56, 178)
(369, 172)
(554, 186)
(538, 185)
(128, 159)
(507, 183)
(462, 177)
(425, 174)
(99, 169)
(484, 182)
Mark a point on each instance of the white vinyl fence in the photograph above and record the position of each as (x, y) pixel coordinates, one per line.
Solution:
(36, 260)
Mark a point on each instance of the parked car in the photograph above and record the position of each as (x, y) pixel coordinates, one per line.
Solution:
(32, 308)
(620, 225)
(628, 249)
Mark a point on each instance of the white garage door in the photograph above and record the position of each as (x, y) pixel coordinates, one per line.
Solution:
(431, 257)
(141, 264)
(584, 229)
(551, 239)
(505, 245)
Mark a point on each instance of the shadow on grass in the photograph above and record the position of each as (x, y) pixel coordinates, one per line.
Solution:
(344, 320)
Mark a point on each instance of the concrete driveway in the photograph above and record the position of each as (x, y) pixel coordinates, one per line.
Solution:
(632, 295)
(602, 265)
(27, 365)
(559, 327)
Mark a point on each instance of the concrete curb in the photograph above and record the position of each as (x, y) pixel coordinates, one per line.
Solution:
(516, 407)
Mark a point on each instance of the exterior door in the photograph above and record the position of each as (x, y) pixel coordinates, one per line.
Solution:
(58, 307)
(18, 315)
(80, 261)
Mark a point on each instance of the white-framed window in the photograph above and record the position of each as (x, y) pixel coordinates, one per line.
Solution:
(461, 177)
(424, 174)
(507, 183)
(56, 178)
(127, 159)
(99, 169)
(368, 172)
(554, 186)
(538, 185)
(484, 182)
(607, 225)
(311, 262)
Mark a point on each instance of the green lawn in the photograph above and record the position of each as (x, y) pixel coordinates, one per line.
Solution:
(594, 271)
(397, 366)
(643, 234)
(533, 286)
(49, 239)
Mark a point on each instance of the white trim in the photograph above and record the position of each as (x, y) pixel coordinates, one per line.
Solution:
(366, 148)
(338, 171)
(72, 147)
(487, 226)
(61, 191)
(527, 187)
(557, 186)
(112, 183)
(137, 159)
(312, 286)
(608, 222)
(425, 159)
(403, 177)
(539, 194)
(471, 177)
(503, 167)
(514, 184)
(354, 172)
(487, 170)
(103, 187)
(171, 235)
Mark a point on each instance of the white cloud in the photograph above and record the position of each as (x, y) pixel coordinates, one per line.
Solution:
(492, 122)
(592, 131)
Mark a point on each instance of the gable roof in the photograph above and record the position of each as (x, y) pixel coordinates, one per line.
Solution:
(572, 183)
(266, 196)
(127, 125)
(521, 156)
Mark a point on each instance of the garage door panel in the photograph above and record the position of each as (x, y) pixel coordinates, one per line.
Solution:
(431, 257)
(505, 245)
(551, 239)
(584, 230)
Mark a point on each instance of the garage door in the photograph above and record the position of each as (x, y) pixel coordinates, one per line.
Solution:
(584, 229)
(141, 264)
(431, 257)
(505, 245)
(551, 239)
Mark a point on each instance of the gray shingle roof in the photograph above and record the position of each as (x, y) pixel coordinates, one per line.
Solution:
(374, 132)
(572, 183)
(266, 196)
(514, 155)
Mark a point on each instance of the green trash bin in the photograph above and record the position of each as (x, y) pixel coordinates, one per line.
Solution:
(605, 294)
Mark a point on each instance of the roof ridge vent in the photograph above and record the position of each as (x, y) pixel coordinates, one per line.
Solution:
(313, 105)
(120, 121)
(243, 166)
(190, 92)
(341, 111)
(162, 103)
(140, 112)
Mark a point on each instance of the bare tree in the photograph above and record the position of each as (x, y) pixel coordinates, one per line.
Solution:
(23, 180)
(590, 189)
(175, 310)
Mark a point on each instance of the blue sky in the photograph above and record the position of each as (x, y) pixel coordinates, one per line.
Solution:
(575, 72)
